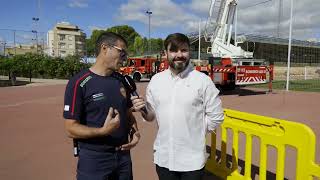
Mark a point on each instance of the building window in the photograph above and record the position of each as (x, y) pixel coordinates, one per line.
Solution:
(62, 37)
(78, 46)
(62, 45)
(62, 53)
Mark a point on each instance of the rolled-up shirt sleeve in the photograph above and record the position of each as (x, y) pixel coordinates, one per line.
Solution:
(150, 103)
(213, 106)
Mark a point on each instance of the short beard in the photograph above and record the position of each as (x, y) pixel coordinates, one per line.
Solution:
(178, 67)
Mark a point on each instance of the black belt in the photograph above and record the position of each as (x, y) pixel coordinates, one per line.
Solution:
(99, 147)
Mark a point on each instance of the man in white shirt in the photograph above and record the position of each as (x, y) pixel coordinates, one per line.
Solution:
(186, 106)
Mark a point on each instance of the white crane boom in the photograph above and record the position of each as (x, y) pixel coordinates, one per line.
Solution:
(219, 25)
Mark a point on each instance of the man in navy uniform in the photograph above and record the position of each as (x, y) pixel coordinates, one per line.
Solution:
(98, 115)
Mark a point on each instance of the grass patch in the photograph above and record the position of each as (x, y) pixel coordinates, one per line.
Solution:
(310, 85)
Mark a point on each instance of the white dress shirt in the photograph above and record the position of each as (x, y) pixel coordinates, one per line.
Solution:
(187, 106)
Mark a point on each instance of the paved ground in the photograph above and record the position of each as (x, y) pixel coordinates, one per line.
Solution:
(35, 81)
(34, 145)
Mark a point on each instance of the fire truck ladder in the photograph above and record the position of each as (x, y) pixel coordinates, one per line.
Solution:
(219, 25)
(211, 27)
(215, 15)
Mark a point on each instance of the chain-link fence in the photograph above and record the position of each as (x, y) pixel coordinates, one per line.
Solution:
(13, 42)
(265, 29)
(262, 27)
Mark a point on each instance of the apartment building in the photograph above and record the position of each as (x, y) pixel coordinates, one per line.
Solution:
(66, 39)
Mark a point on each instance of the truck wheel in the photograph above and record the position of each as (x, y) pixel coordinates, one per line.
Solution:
(137, 77)
(229, 87)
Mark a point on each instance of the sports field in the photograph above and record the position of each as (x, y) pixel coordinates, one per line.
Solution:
(310, 85)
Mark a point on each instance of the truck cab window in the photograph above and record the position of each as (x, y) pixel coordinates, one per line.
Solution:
(143, 62)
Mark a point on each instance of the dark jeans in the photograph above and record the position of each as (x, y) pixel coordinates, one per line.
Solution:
(97, 165)
(166, 174)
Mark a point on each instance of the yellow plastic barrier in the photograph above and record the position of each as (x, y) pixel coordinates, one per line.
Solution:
(272, 132)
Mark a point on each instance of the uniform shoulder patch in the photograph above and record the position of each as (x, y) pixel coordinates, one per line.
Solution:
(85, 81)
(66, 107)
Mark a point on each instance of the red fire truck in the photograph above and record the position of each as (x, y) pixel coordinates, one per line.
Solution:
(141, 67)
(228, 73)
(230, 65)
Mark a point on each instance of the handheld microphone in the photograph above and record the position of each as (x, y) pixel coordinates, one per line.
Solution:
(131, 86)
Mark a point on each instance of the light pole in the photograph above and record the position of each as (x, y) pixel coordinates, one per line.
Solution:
(36, 33)
(149, 14)
(289, 46)
(4, 48)
(42, 49)
(14, 42)
(199, 46)
(35, 19)
(35, 40)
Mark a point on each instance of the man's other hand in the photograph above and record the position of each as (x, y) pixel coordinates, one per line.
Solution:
(111, 123)
(134, 141)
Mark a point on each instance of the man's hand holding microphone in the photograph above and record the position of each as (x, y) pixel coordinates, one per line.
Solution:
(139, 104)
(146, 110)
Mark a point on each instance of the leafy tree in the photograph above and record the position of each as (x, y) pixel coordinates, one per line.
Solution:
(2, 65)
(52, 65)
(30, 64)
(39, 65)
(156, 45)
(145, 45)
(73, 65)
(8, 67)
(126, 31)
(90, 43)
(44, 66)
(138, 45)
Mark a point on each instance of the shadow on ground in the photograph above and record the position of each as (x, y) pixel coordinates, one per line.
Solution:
(210, 176)
(7, 83)
(241, 167)
(244, 92)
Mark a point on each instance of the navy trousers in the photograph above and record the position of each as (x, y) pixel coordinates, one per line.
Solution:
(104, 165)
